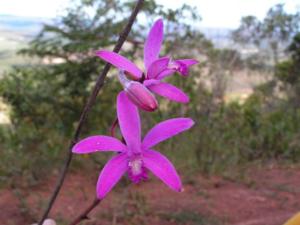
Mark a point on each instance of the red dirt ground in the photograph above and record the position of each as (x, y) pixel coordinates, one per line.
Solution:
(267, 196)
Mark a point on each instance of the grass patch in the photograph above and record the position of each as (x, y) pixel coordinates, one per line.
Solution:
(190, 217)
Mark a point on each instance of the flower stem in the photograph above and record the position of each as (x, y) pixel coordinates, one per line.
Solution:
(87, 108)
(113, 126)
(84, 214)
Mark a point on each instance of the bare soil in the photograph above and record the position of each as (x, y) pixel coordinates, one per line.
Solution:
(263, 196)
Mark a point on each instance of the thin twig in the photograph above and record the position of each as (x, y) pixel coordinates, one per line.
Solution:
(84, 214)
(87, 107)
(113, 127)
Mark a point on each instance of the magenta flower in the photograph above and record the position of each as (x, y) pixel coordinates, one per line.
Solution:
(155, 70)
(135, 157)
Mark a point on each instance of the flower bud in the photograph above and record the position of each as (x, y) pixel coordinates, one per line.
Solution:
(138, 93)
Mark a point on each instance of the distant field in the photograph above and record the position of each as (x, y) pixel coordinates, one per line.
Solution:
(10, 43)
(15, 33)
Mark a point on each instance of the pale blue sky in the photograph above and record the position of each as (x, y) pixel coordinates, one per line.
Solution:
(215, 13)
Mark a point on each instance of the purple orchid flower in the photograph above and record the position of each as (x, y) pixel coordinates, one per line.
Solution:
(156, 69)
(136, 156)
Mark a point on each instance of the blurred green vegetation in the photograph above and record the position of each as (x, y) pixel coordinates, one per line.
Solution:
(46, 99)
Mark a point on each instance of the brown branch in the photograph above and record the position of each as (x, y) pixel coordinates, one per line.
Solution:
(135, 42)
(113, 127)
(84, 214)
(87, 107)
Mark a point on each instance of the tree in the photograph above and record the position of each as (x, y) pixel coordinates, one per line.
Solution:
(275, 31)
(278, 28)
(288, 72)
(294, 49)
(248, 31)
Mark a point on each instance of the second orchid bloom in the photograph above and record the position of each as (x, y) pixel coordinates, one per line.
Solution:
(156, 69)
(136, 156)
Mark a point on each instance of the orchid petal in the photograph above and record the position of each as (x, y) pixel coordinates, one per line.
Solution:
(153, 43)
(187, 62)
(161, 167)
(111, 174)
(98, 143)
(150, 82)
(120, 62)
(166, 129)
(182, 65)
(157, 67)
(165, 73)
(169, 91)
(129, 120)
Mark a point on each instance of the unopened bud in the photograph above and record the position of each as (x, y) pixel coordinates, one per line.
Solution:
(138, 94)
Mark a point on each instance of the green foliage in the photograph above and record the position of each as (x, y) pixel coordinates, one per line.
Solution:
(235, 134)
(294, 49)
(46, 99)
(287, 72)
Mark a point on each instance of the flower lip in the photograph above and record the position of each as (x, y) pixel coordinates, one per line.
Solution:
(179, 66)
(136, 169)
(182, 65)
